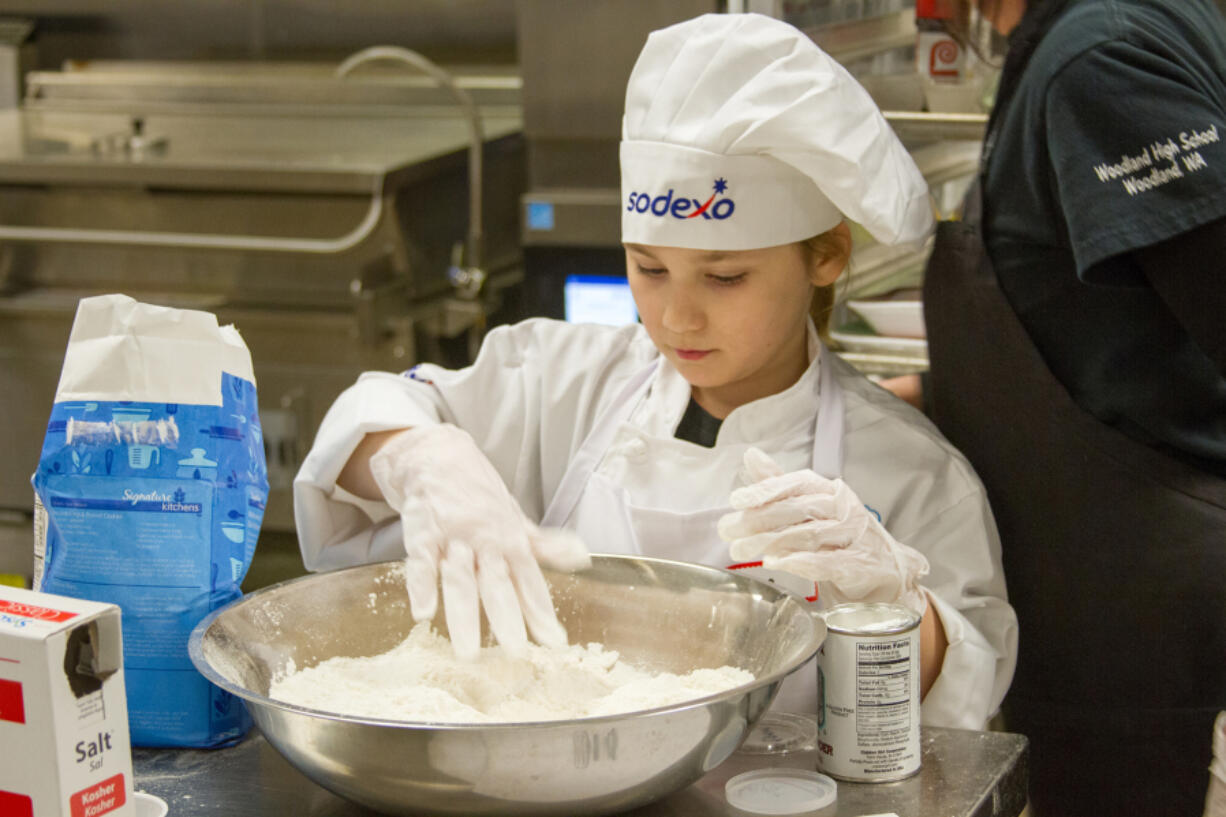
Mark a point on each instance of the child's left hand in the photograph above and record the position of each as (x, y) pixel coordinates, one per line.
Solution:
(814, 527)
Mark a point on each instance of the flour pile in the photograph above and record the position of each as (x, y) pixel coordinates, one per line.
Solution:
(421, 680)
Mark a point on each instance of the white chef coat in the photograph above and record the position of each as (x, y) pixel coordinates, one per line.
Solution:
(534, 395)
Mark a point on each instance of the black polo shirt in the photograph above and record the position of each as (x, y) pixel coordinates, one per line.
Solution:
(1114, 141)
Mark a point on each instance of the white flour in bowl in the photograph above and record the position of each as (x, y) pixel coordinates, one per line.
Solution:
(421, 680)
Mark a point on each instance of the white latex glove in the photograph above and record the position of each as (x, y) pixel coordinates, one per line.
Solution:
(817, 528)
(462, 525)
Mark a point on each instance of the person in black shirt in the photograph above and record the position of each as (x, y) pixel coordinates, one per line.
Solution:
(1076, 334)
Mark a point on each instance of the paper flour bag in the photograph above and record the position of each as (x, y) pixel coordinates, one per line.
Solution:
(149, 494)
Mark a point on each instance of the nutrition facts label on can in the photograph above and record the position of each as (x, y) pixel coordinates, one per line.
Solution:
(883, 690)
(868, 708)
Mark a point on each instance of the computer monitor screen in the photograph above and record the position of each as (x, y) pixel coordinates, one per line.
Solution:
(599, 299)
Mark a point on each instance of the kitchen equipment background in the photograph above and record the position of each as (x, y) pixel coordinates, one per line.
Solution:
(660, 615)
(228, 166)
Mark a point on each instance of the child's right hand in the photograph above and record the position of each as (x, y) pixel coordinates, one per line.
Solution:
(806, 524)
(462, 525)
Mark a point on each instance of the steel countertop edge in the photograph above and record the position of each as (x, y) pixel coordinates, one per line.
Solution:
(964, 773)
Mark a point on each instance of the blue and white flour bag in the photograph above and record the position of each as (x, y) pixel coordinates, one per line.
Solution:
(149, 494)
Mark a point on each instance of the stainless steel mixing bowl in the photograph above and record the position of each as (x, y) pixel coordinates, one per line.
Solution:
(661, 615)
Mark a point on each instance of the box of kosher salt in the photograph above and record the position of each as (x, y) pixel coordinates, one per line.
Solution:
(64, 749)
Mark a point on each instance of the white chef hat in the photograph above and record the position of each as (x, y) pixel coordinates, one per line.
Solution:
(740, 133)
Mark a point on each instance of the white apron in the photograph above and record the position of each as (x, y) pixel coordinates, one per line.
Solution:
(602, 513)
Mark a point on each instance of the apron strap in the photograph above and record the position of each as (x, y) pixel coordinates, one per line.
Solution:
(828, 429)
(574, 480)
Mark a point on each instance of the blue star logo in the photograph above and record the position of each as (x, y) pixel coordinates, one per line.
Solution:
(721, 185)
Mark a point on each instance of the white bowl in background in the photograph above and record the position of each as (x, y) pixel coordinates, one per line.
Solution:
(894, 319)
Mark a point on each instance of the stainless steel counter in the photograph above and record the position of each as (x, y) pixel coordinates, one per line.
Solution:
(293, 152)
(964, 774)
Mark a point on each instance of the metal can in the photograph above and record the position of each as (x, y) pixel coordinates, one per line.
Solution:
(868, 693)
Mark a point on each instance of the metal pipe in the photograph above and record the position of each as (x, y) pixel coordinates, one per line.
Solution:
(72, 235)
(920, 126)
(476, 135)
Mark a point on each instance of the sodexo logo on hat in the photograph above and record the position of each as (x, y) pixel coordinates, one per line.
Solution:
(748, 103)
(682, 207)
(679, 196)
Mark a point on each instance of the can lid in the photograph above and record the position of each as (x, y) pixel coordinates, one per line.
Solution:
(870, 618)
(780, 790)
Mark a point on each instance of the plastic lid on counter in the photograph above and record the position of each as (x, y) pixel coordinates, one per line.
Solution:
(780, 791)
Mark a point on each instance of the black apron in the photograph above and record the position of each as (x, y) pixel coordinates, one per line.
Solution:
(1114, 554)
